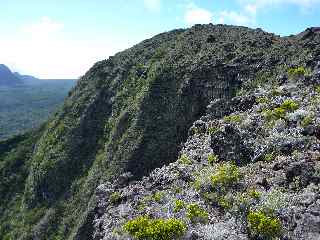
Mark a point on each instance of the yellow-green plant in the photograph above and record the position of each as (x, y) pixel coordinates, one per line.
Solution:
(232, 118)
(263, 226)
(226, 176)
(184, 159)
(196, 213)
(145, 228)
(307, 120)
(212, 130)
(212, 158)
(295, 72)
(263, 100)
(253, 193)
(115, 197)
(269, 157)
(158, 196)
(288, 105)
(179, 205)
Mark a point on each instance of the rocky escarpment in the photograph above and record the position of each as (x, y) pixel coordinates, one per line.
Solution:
(250, 169)
(251, 161)
(132, 113)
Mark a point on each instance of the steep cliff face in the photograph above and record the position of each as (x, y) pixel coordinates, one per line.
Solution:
(132, 112)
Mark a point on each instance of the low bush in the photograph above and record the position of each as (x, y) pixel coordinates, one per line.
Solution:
(295, 72)
(196, 214)
(281, 111)
(226, 176)
(145, 228)
(212, 158)
(263, 226)
(184, 159)
(179, 205)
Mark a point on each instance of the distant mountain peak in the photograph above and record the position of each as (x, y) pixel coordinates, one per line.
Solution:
(7, 78)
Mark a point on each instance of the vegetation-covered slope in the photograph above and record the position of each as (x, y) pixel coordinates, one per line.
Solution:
(27, 105)
(131, 113)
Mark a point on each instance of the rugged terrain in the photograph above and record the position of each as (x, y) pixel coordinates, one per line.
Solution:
(235, 112)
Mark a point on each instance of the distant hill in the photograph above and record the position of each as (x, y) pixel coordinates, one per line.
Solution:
(27, 78)
(7, 78)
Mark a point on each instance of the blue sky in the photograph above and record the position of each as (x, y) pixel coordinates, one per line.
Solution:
(63, 38)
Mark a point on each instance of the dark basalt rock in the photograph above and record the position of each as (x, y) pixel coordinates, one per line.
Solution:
(229, 145)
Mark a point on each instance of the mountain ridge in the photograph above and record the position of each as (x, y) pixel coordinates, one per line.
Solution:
(132, 113)
(7, 78)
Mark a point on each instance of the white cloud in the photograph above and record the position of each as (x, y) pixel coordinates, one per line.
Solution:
(196, 15)
(44, 28)
(152, 5)
(43, 49)
(254, 5)
(251, 9)
(232, 17)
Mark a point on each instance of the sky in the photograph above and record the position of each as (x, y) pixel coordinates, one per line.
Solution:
(64, 38)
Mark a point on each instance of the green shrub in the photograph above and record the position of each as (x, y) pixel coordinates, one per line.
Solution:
(289, 105)
(232, 118)
(306, 121)
(253, 193)
(317, 89)
(263, 100)
(281, 111)
(226, 176)
(184, 159)
(179, 205)
(212, 158)
(295, 72)
(276, 92)
(262, 225)
(145, 228)
(269, 157)
(115, 197)
(224, 202)
(212, 130)
(158, 196)
(196, 214)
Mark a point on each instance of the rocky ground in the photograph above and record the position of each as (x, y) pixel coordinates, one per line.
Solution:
(250, 169)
